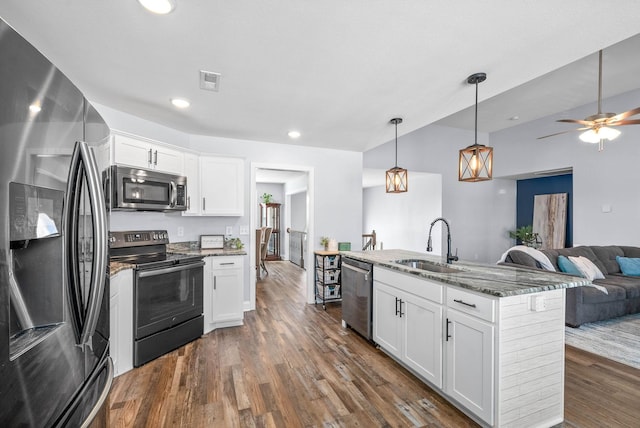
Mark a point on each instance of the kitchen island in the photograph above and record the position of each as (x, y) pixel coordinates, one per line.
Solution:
(488, 338)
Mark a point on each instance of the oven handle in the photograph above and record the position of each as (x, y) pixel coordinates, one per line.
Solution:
(177, 268)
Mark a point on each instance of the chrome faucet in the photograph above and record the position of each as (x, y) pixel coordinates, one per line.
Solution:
(450, 258)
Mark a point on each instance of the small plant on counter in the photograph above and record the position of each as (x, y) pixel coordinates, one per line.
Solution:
(324, 241)
(233, 243)
(267, 198)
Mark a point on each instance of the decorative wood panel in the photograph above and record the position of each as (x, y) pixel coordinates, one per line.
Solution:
(550, 219)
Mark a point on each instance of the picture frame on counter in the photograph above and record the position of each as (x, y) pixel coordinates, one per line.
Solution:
(211, 242)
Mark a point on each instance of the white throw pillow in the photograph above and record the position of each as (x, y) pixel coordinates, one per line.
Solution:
(589, 270)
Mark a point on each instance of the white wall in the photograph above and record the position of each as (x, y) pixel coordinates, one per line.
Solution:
(599, 178)
(401, 220)
(480, 214)
(337, 175)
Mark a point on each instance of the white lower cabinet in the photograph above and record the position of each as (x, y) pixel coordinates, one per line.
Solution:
(409, 326)
(223, 292)
(121, 321)
(470, 362)
(500, 360)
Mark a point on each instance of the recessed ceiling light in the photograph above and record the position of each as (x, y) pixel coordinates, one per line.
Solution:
(514, 118)
(161, 7)
(180, 102)
(294, 134)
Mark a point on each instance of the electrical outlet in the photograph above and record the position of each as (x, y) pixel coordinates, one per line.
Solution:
(229, 231)
(180, 231)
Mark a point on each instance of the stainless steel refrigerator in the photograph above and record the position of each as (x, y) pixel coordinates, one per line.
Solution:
(55, 368)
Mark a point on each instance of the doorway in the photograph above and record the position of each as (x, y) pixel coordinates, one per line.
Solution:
(281, 181)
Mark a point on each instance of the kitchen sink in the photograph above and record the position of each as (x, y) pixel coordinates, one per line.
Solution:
(426, 265)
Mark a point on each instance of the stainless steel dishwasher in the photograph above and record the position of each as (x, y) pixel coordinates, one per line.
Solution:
(357, 294)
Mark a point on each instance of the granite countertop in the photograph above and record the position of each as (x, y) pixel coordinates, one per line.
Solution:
(186, 248)
(193, 248)
(495, 280)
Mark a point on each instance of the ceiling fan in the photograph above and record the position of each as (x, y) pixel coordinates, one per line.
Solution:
(598, 127)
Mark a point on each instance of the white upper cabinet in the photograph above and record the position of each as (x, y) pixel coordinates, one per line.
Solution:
(148, 154)
(221, 186)
(192, 172)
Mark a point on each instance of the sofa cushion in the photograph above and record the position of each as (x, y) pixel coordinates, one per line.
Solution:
(576, 252)
(586, 267)
(521, 258)
(631, 251)
(607, 255)
(567, 266)
(629, 266)
(630, 284)
(593, 295)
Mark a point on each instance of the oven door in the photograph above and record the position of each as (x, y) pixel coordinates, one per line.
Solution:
(167, 296)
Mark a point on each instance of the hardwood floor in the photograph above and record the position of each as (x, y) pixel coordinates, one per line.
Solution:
(293, 365)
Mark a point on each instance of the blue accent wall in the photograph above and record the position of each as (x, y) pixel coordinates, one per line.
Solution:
(527, 189)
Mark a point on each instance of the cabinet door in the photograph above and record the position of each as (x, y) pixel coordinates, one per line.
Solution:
(386, 322)
(167, 160)
(129, 151)
(423, 337)
(143, 153)
(222, 186)
(192, 172)
(121, 321)
(227, 295)
(470, 363)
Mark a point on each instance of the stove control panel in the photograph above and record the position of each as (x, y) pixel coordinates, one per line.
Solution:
(137, 238)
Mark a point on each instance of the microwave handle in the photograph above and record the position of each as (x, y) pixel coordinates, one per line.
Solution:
(174, 194)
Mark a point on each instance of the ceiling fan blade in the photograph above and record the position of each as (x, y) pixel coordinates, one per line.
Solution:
(626, 122)
(626, 114)
(558, 133)
(581, 122)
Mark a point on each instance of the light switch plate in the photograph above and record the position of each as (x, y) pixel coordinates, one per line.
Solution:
(244, 230)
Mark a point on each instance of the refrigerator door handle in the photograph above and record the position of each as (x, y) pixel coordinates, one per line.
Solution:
(103, 396)
(83, 162)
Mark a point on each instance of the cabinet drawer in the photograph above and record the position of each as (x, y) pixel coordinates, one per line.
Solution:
(471, 303)
(413, 284)
(226, 262)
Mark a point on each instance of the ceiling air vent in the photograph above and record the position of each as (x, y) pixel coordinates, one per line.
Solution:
(209, 80)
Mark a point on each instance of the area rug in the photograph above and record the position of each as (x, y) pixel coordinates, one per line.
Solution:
(617, 339)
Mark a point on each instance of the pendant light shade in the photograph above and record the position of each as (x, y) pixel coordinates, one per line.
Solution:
(476, 161)
(397, 179)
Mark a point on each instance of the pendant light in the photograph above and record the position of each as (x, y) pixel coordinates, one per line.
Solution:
(396, 178)
(476, 161)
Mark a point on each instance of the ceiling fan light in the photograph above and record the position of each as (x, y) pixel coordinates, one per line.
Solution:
(594, 136)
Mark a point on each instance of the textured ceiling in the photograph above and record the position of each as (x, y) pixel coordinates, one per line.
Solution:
(336, 71)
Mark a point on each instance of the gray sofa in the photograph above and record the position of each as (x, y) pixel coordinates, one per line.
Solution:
(588, 304)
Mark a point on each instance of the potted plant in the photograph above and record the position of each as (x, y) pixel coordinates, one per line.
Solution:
(525, 235)
(267, 198)
(324, 241)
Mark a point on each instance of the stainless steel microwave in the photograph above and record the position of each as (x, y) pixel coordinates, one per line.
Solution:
(145, 190)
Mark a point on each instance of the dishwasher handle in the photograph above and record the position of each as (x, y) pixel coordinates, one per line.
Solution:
(357, 269)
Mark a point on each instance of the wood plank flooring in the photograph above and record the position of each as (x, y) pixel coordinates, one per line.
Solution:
(293, 365)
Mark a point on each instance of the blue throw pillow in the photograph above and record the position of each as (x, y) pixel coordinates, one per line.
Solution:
(567, 266)
(629, 266)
